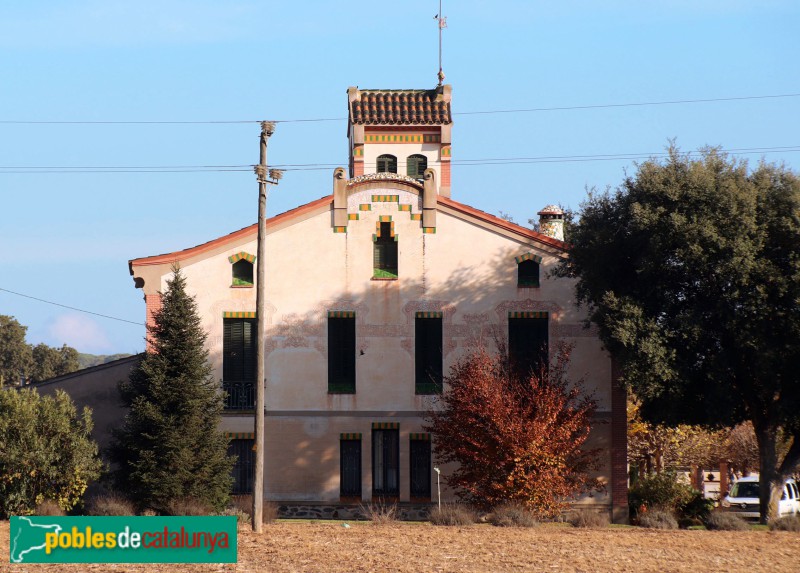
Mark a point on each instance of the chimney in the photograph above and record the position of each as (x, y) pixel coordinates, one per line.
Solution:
(551, 222)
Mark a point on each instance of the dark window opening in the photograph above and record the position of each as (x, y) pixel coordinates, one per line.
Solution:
(527, 346)
(342, 355)
(242, 472)
(387, 164)
(350, 468)
(416, 166)
(420, 469)
(242, 273)
(428, 355)
(384, 254)
(528, 274)
(239, 362)
(385, 463)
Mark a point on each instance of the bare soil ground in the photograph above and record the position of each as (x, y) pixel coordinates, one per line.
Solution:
(407, 547)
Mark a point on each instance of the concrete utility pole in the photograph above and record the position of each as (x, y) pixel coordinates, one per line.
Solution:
(267, 129)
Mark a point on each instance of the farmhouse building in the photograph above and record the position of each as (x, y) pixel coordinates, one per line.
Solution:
(373, 291)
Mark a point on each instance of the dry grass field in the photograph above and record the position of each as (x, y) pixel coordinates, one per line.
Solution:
(407, 547)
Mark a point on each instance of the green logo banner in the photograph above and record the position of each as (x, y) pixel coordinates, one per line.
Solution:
(123, 539)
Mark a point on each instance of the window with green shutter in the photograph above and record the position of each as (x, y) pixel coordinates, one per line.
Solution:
(239, 362)
(528, 274)
(416, 165)
(244, 462)
(350, 467)
(387, 164)
(420, 466)
(239, 349)
(428, 355)
(384, 253)
(342, 354)
(385, 463)
(528, 344)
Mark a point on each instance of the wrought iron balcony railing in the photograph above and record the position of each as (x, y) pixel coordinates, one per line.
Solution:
(239, 395)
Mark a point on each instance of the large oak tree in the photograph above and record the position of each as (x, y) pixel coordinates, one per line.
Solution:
(691, 271)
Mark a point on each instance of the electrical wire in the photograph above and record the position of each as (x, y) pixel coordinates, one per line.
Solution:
(480, 112)
(70, 307)
(328, 166)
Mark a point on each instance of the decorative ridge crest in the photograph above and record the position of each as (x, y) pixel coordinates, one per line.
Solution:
(383, 176)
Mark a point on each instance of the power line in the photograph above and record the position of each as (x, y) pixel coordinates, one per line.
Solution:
(71, 307)
(328, 166)
(480, 112)
(630, 104)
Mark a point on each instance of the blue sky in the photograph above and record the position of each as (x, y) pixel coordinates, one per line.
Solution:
(67, 237)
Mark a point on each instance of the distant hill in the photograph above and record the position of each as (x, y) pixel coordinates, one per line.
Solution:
(87, 360)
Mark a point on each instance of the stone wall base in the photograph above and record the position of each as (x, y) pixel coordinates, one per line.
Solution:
(353, 512)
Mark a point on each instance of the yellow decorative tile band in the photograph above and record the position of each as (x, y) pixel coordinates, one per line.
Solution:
(238, 314)
(242, 255)
(528, 257)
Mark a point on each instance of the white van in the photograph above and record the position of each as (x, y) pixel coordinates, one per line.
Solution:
(743, 498)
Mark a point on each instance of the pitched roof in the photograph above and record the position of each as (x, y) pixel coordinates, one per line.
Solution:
(399, 107)
(454, 207)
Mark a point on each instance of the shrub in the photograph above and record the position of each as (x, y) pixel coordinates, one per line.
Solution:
(48, 508)
(788, 523)
(188, 506)
(46, 452)
(723, 521)
(110, 504)
(513, 436)
(657, 519)
(242, 517)
(452, 514)
(663, 491)
(380, 513)
(588, 518)
(696, 508)
(512, 515)
(244, 504)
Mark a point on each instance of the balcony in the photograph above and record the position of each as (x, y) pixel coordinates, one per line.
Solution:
(239, 396)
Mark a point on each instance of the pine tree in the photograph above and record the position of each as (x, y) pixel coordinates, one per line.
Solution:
(170, 446)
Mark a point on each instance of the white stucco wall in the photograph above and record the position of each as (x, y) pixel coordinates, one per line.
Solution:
(464, 269)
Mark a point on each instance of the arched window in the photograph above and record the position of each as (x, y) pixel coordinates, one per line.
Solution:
(384, 252)
(416, 165)
(243, 273)
(528, 274)
(387, 164)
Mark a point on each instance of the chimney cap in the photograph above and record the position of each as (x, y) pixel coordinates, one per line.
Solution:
(551, 210)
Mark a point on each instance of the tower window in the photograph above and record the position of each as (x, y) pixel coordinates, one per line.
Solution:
(387, 164)
(416, 166)
(384, 253)
(242, 273)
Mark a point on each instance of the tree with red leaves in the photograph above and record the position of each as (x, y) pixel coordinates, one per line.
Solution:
(515, 439)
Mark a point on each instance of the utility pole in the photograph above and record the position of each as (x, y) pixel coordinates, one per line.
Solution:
(267, 129)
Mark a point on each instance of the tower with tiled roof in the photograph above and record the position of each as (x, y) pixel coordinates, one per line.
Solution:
(401, 131)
